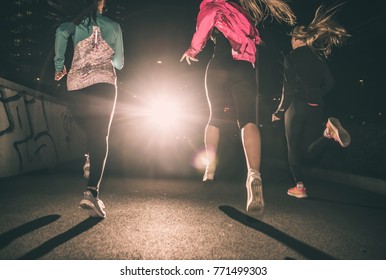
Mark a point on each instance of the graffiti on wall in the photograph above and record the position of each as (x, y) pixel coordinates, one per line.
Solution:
(33, 126)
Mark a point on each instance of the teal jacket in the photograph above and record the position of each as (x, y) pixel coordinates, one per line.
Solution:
(111, 33)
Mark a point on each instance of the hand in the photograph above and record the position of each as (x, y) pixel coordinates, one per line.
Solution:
(188, 58)
(60, 75)
(274, 118)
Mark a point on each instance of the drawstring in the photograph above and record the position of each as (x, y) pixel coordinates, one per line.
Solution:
(95, 38)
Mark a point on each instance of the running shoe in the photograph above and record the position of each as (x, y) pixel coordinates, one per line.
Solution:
(255, 200)
(93, 205)
(298, 192)
(334, 130)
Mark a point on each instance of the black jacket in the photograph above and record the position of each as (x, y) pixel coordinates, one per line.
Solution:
(306, 77)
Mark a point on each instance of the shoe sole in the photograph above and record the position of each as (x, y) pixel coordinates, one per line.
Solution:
(297, 195)
(92, 210)
(255, 197)
(344, 138)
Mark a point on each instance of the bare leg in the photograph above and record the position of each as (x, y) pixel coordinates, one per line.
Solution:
(250, 136)
(212, 137)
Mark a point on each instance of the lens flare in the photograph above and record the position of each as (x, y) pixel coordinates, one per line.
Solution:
(200, 161)
(164, 114)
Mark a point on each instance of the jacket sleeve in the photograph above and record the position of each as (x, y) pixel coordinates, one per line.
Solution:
(118, 58)
(328, 81)
(63, 32)
(205, 23)
(287, 90)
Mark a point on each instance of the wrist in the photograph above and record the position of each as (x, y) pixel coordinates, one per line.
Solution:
(279, 113)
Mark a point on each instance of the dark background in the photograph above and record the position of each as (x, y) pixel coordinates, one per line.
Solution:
(161, 31)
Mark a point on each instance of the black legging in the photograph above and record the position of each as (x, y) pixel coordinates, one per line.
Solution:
(229, 80)
(93, 108)
(304, 135)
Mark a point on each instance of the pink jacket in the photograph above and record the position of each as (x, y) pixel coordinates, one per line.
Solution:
(233, 21)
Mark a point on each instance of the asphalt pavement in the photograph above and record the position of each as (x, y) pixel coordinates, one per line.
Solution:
(156, 218)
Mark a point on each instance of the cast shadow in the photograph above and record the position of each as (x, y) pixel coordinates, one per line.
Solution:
(13, 234)
(307, 251)
(60, 239)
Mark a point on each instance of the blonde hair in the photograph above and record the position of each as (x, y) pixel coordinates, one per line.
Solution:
(261, 9)
(323, 33)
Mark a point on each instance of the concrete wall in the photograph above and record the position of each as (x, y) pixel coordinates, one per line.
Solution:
(36, 131)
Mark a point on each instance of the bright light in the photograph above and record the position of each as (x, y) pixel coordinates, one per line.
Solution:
(164, 114)
(159, 129)
(200, 161)
(162, 118)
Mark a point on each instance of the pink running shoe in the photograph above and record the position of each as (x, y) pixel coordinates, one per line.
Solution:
(298, 192)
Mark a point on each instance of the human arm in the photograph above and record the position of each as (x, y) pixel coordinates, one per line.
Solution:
(118, 58)
(287, 90)
(63, 32)
(59, 75)
(204, 27)
(188, 58)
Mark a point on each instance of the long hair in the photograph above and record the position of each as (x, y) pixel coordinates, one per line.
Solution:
(73, 10)
(323, 33)
(261, 9)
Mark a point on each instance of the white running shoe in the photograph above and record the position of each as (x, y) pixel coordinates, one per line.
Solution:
(94, 205)
(255, 200)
